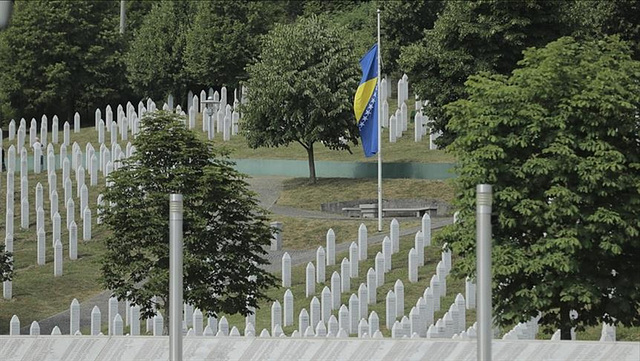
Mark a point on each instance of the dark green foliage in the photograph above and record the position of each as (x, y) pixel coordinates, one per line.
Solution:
(473, 36)
(224, 229)
(59, 57)
(301, 89)
(559, 141)
(359, 23)
(6, 264)
(403, 23)
(155, 60)
(224, 38)
(593, 19)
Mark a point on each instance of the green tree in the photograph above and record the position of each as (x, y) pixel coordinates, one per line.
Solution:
(301, 90)
(473, 36)
(403, 23)
(598, 18)
(155, 60)
(224, 229)
(6, 264)
(59, 57)
(559, 141)
(219, 57)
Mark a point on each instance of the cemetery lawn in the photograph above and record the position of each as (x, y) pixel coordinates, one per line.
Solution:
(310, 233)
(297, 192)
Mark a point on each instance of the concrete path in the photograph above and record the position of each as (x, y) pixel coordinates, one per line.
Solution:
(268, 190)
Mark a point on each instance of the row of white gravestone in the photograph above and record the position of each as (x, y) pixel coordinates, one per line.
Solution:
(349, 269)
(82, 194)
(357, 252)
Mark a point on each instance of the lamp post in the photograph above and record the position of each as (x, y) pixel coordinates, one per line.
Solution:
(211, 108)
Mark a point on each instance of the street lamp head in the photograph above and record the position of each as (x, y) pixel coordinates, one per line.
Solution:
(210, 104)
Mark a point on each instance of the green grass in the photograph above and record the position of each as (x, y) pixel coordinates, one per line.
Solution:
(299, 193)
(305, 233)
(37, 294)
(412, 291)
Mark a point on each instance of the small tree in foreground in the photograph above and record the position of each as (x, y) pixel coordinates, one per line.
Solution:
(224, 229)
(301, 90)
(559, 141)
(6, 264)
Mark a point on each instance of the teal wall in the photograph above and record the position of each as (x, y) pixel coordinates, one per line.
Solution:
(300, 168)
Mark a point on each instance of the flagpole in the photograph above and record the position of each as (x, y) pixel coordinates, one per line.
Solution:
(379, 133)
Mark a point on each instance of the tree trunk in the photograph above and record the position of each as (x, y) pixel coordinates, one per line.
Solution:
(565, 322)
(167, 314)
(312, 164)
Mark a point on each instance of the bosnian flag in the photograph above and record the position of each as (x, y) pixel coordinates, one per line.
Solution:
(365, 104)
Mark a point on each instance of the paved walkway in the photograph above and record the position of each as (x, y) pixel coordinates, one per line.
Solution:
(268, 190)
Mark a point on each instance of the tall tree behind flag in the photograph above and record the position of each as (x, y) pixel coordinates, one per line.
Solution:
(365, 103)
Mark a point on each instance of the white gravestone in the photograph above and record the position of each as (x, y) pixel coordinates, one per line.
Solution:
(353, 260)
(286, 270)
(73, 241)
(418, 244)
(74, 317)
(57, 259)
(395, 235)
(320, 265)
(14, 326)
(66, 136)
(362, 242)
(310, 289)
(41, 247)
(288, 308)
(426, 229)
(335, 290)
(354, 313)
(374, 323)
(392, 129)
(387, 250)
(24, 213)
(86, 225)
(76, 123)
(331, 247)
(276, 239)
(316, 314)
(113, 310)
(390, 309)
(371, 286)
(380, 269)
(413, 266)
(398, 290)
(363, 297)
(96, 321)
(326, 303)
(303, 321)
(343, 318)
(345, 273)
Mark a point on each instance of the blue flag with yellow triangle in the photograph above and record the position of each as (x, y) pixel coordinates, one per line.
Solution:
(365, 104)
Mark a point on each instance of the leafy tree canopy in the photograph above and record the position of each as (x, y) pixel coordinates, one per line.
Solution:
(403, 23)
(473, 36)
(559, 141)
(301, 89)
(59, 57)
(6, 264)
(224, 229)
(225, 37)
(155, 60)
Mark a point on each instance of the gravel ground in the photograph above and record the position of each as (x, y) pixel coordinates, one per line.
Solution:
(268, 190)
